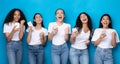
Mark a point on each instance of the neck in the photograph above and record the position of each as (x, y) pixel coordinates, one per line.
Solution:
(13, 21)
(59, 22)
(84, 26)
(38, 26)
(105, 27)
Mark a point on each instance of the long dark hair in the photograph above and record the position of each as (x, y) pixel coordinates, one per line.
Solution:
(34, 23)
(10, 16)
(110, 24)
(79, 22)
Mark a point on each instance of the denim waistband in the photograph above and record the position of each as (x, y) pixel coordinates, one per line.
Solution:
(103, 49)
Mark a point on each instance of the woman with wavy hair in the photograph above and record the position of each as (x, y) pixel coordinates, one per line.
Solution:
(80, 39)
(14, 31)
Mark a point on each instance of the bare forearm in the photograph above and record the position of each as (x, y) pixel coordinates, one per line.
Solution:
(21, 32)
(97, 41)
(43, 40)
(9, 37)
(66, 37)
(72, 40)
(29, 37)
(114, 41)
(50, 36)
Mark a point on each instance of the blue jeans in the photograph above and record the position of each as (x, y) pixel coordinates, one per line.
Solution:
(103, 56)
(35, 54)
(60, 54)
(78, 56)
(14, 52)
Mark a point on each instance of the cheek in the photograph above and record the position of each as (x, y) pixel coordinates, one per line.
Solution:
(108, 22)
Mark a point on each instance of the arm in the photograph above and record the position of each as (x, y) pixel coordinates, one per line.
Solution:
(73, 37)
(29, 35)
(42, 38)
(21, 29)
(113, 39)
(51, 35)
(10, 35)
(99, 39)
(67, 33)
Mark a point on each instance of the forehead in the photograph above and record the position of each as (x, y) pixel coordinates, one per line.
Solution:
(37, 15)
(105, 17)
(59, 10)
(17, 12)
(83, 14)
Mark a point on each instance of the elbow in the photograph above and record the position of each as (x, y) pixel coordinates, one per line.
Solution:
(8, 40)
(114, 45)
(49, 38)
(20, 37)
(28, 41)
(72, 42)
(43, 42)
(95, 44)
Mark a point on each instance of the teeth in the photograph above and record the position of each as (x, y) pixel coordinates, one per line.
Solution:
(59, 17)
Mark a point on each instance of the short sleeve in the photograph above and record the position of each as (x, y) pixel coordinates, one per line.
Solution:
(95, 35)
(50, 28)
(5, 28)
(117, 37)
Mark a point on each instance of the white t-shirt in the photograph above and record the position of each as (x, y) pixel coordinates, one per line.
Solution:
(80, 40)
(106, 42)
(9, 27)
(59, 38)
(35, 36)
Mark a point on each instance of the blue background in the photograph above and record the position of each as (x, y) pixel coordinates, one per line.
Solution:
(95, 8)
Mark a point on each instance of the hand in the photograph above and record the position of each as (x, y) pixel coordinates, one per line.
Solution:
(74, 34)
(41, 35)
(30, 28)
(67, 30)
(55, 30)
(102, 35)
(22, 22)
(15, 29)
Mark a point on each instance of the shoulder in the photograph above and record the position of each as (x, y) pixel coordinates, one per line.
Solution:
(7, 24)
(52, 23)
(44, 29)
(98, 29)
(112, 30)
(66, 24)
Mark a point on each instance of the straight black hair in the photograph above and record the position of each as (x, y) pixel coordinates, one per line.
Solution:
(34, 23)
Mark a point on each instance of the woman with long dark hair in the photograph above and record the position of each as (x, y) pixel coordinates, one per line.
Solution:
(105, 38)
(36, 40)
(80, 39)
(58, 32)
(14, 31)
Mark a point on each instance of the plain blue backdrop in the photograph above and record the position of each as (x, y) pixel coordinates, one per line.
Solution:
(95, 8)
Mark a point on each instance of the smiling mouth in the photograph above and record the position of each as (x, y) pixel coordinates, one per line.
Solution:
(105, 23)
(60, 17)
(84, 19)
